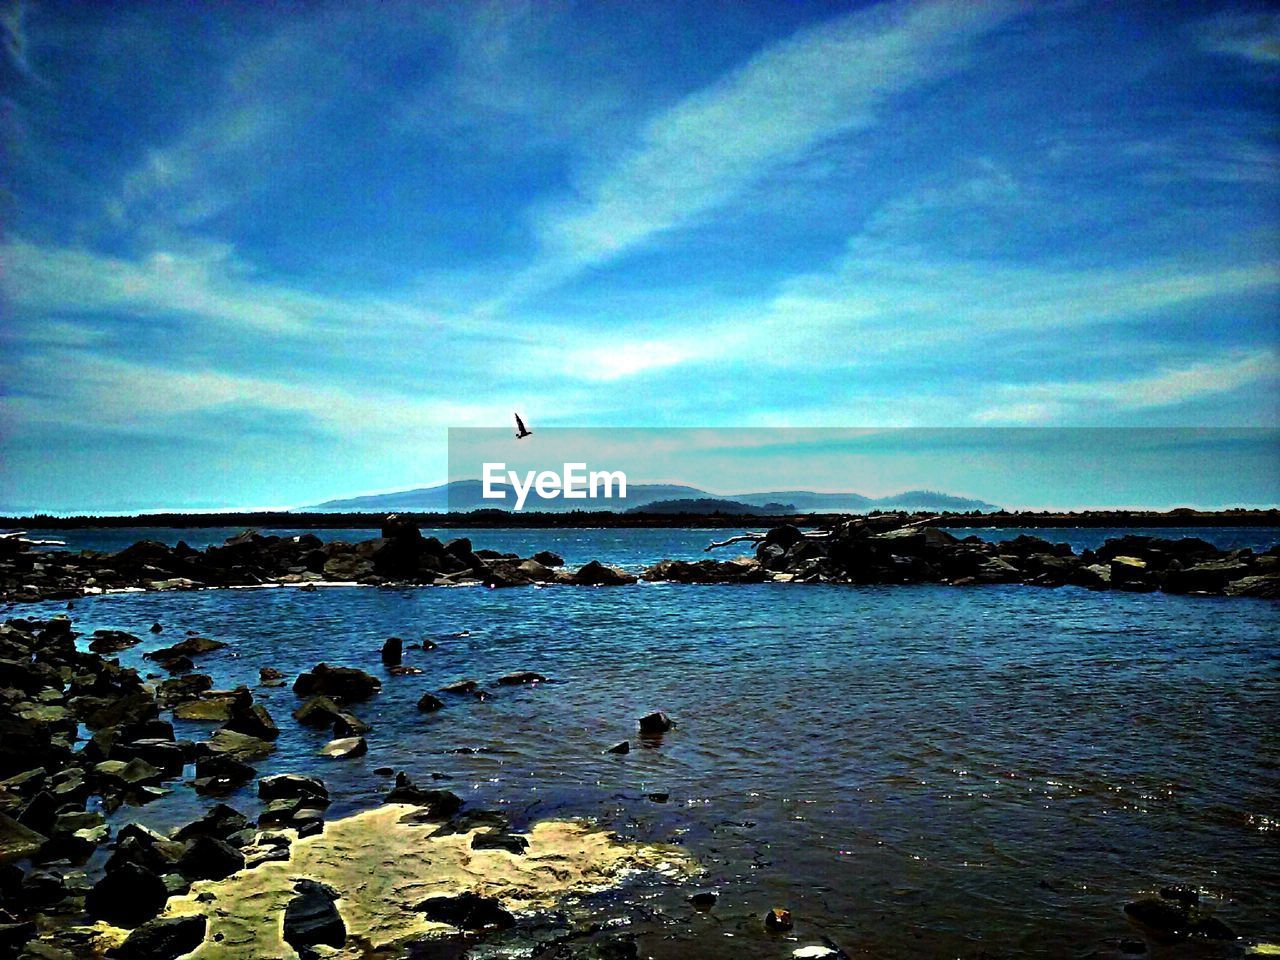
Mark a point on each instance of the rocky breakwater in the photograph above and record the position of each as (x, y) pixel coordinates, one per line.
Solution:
(401, 555)
(887, 550)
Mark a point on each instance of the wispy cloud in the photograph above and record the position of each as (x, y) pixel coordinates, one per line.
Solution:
(817, 84)
(1035, 403)
(1254, 36)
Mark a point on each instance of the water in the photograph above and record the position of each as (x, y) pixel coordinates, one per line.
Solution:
(913, 771)
(629, 548)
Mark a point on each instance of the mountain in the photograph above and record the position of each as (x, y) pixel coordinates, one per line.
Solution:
(709, 505)
(465, 495)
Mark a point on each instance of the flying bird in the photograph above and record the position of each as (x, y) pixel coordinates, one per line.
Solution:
(521, 430)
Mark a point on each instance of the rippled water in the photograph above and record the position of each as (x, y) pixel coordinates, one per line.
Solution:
(913, 771)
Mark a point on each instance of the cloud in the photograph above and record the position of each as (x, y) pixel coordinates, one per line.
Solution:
(1034, 403)
(789, 97)
(1253, 36)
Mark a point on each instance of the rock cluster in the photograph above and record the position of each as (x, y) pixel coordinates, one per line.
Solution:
(877, 551)
(400, 556)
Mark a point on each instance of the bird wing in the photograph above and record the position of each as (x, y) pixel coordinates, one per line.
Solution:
(519, 424)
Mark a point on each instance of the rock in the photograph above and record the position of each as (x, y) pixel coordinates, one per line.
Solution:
(190, 647)
(289, 786)
(655, 723)
(815, 952)
(438, 804)
(18, 841)
(112, 641)
(317, 712)
(461, 686)
(312, 919)
(345, 748)
(162, 939)
(1178, 919)
(1266, 587)
(429, 703)
(660, 797)
(270, 675)
(393, 651)
(208, 858)
(211, 710)
(156, 628)
(548, 559)
(220, 821)
(221, 773)
(704, 899)
(349, 725)
(622, 747)
(402, 670)
(597, 574)
(239, 745)
(253, 720)
(778, 919)
(467, 911)
(342, 684)
(520, 678)
(127, 897)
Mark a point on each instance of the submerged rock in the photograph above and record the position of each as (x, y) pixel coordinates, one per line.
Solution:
(1178, 918)
(654, 723)
(345, 748)
(429, 703)
(520, 678)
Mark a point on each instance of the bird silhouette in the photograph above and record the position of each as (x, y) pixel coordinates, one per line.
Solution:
(521, 430)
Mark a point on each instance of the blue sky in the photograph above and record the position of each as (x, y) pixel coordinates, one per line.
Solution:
(267, 254)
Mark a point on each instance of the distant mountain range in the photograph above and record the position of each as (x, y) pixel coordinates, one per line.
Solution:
(465, 495)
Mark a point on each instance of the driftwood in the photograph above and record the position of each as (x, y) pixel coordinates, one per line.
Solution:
(809, 535)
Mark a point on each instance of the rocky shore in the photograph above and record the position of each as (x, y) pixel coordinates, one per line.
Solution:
(289, 884)
(865, 550)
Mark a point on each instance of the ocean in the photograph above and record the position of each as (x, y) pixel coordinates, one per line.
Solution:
(911, 770)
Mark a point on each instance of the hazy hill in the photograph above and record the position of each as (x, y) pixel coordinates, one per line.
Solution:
(465, 495)
(709, 505)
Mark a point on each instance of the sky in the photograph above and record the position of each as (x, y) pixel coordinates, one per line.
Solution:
(268, 254)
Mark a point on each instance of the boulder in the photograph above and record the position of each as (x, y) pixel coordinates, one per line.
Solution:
(596, 574)
(190, 647)
(288, 786)
(162, 939)
(317, 712)
(622, 747)
(311, 918)
(18, 841)
(342, 684)
(1177, 919)
(345, 748)
(219, 821)
(655, 723)
(252, 720)
(548, 559)
(112, 641)
(429, 703)
(393, 651)
(127, 897)
(437, 804)
(208, 858)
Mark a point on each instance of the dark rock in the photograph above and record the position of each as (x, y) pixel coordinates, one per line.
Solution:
(127, 897)
(220, 821)
(778, 919)
(156, 628)
(520, 678)
(254, 721)
(342, 684)
(311, 918)
(349, 725)
(704, 899)
(548, 559)
(162, 939)
(622, 747)
(597, 574)
(393, 651)
(208, 858)
(288, 786)
(18, 841)
(461, 686)
(317, 712)
(438, 804)
(655, 723)
(660, 797)
(112, 641)
(1177, 919)
(467, 911)
(190, 647)
(429, 703)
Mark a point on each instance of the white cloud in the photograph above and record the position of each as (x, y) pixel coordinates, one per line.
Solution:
(1033, 403)
(817, 84)
(1253, 36)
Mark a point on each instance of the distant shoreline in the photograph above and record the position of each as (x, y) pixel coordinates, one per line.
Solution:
(482, 520)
